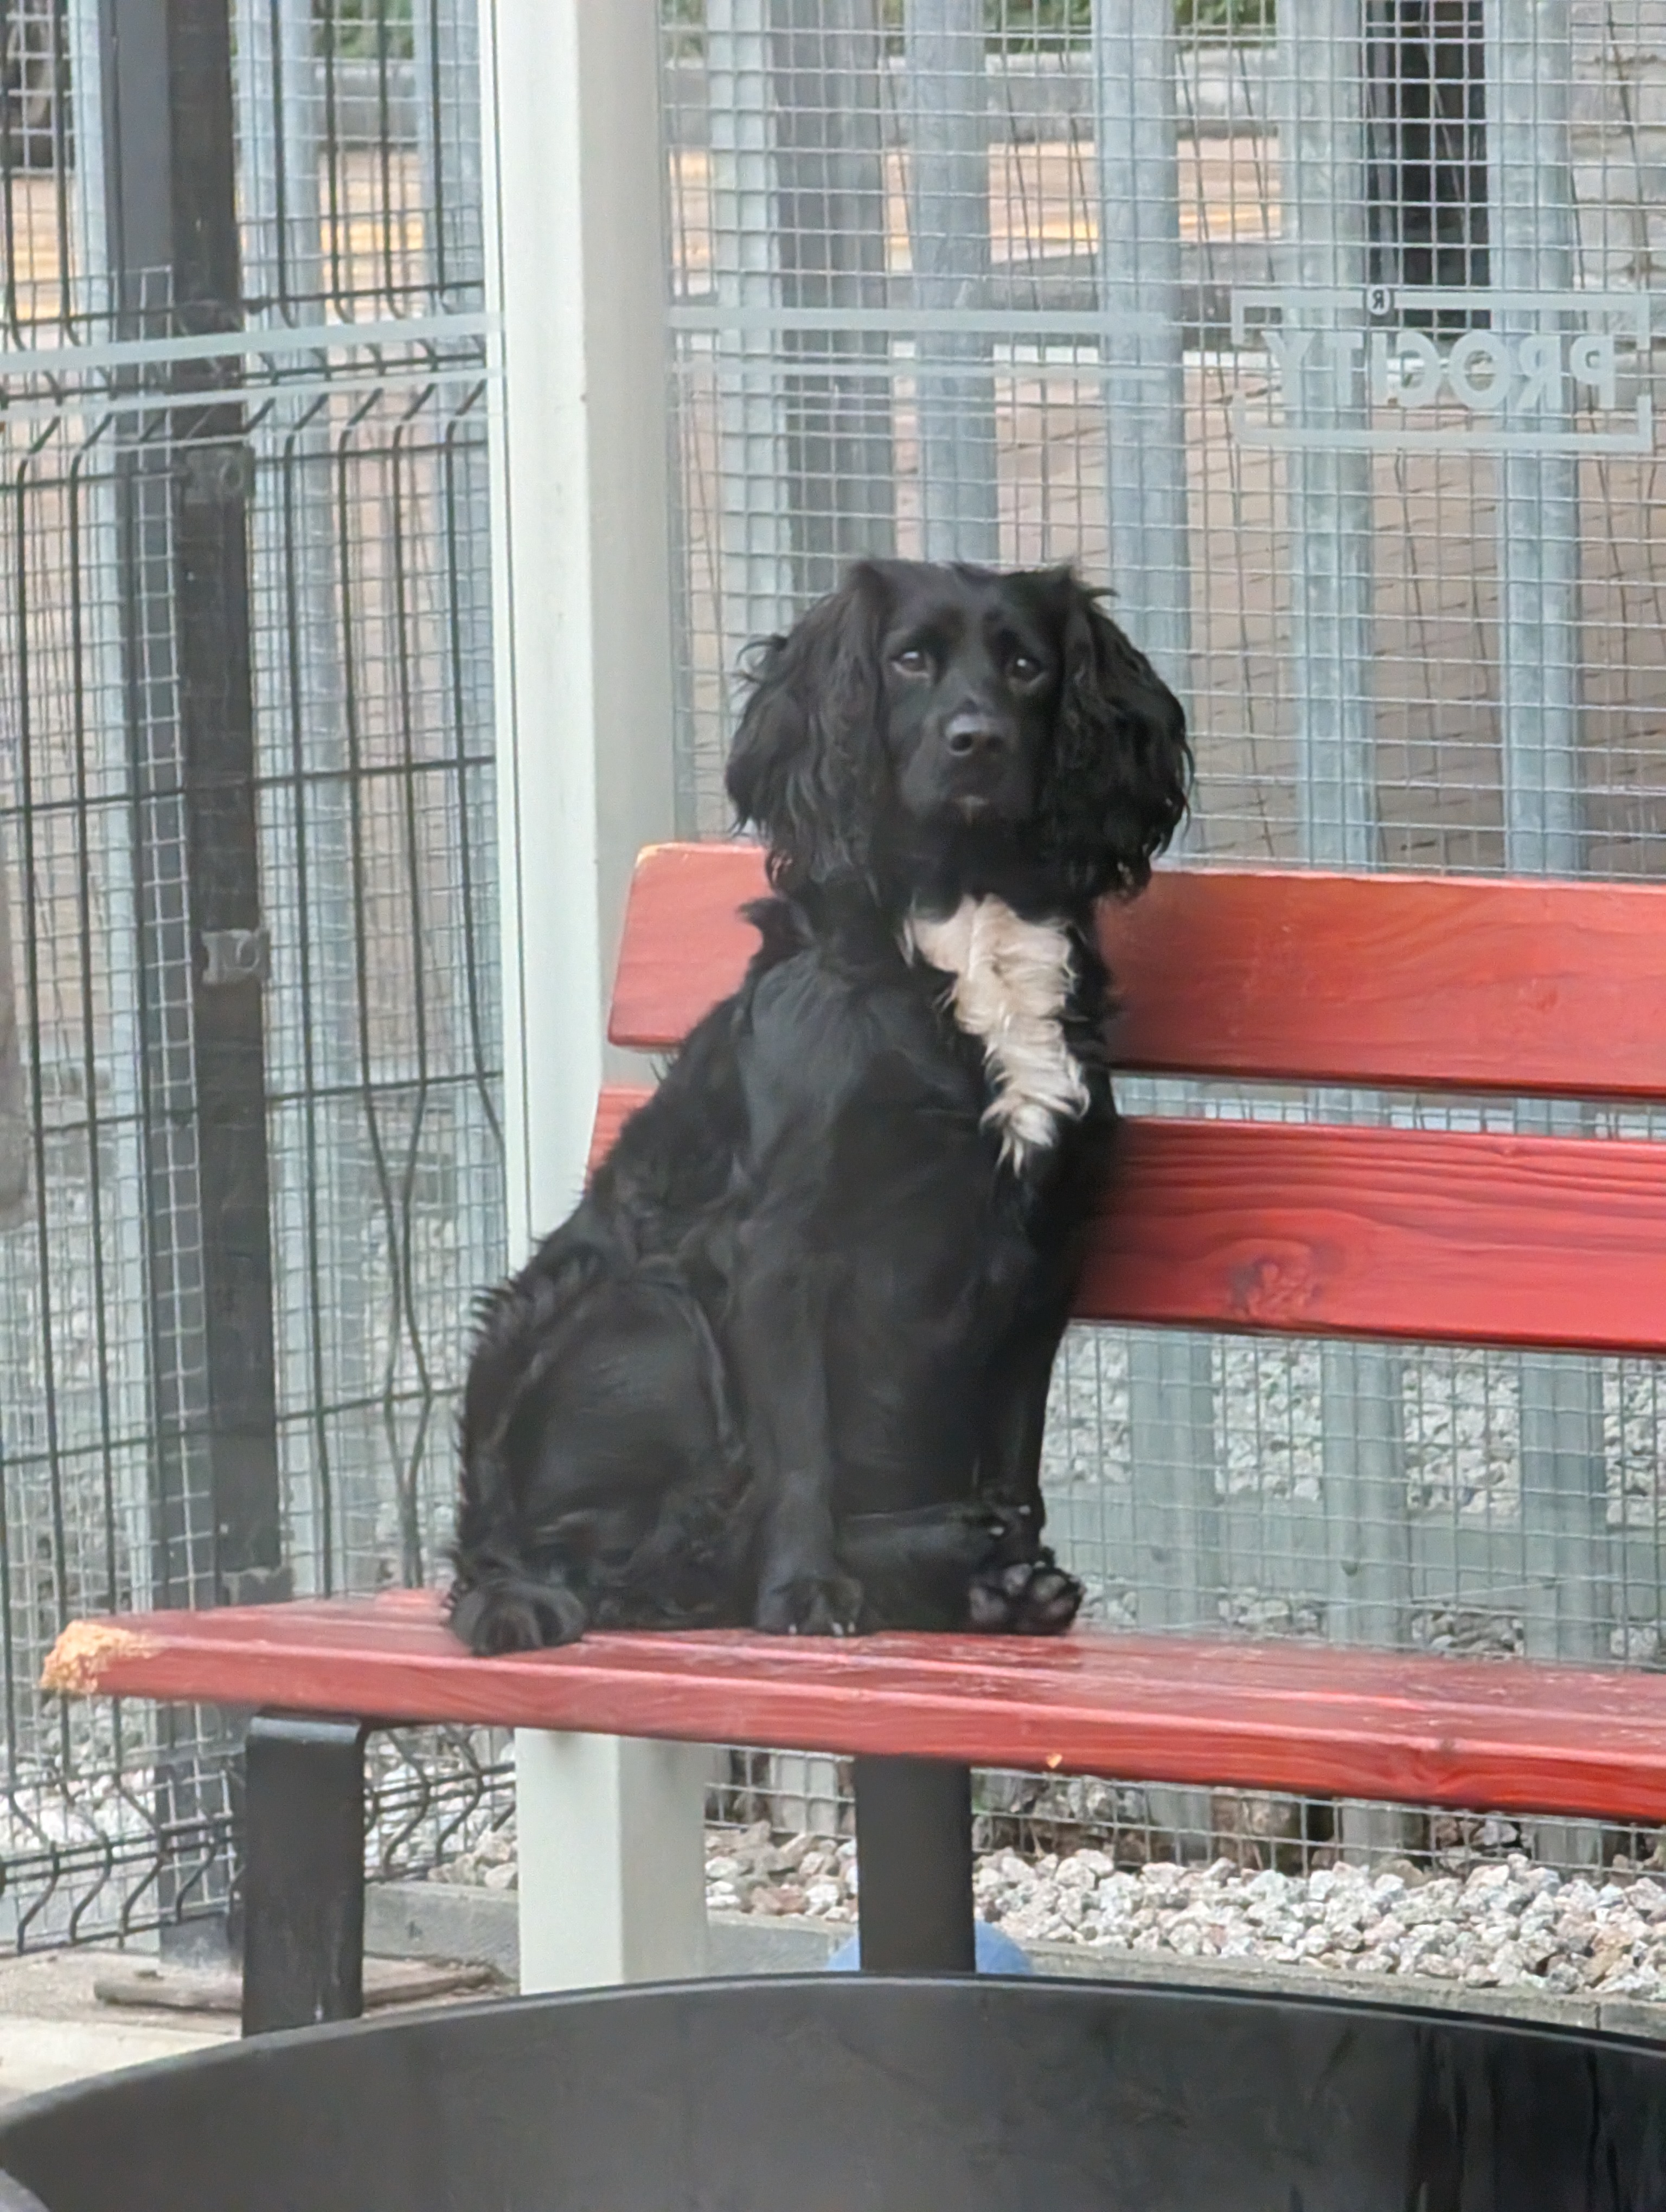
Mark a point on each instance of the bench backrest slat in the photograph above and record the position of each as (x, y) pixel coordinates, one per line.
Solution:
(1318, 1232)
(1401, 982)
(1312, 1230)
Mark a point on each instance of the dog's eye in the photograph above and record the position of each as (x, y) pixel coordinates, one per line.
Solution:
(1024, 666)
(911, 661)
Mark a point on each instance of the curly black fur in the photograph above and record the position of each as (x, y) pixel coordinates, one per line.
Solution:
(786, 1362)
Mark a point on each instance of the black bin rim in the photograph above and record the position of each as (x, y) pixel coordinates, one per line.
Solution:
(1346, 2008)
(1017, 2091)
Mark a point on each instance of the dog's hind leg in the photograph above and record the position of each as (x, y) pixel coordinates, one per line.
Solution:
(598, 1465)
(505, 1609)
(916, 1567)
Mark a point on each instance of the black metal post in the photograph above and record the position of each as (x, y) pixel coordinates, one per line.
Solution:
(914, 1842)
(214, 479)
(1426, 175)
(188, 481)
(185, 483)
(303, 1871)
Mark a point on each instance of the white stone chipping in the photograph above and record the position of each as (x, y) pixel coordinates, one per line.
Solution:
(1504, 1923)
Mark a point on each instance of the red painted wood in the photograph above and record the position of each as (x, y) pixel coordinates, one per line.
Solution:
(684, 945)
(1405, 982)
(1391, 1232)
(617, 1102)
(1284, 1717)
(1405, 1233)
(1413, 1233)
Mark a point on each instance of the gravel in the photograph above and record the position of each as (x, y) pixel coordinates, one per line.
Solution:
(1507, 1924)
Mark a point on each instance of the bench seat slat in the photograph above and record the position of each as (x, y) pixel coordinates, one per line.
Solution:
(1279, 974)
(1410, 1233)
(1283, 1717)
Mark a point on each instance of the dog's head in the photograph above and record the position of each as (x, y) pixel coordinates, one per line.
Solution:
(947, 709)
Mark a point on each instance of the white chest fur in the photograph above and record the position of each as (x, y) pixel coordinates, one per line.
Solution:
(1010, 981)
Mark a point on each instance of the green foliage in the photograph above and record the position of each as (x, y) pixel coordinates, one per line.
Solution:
(1226, 17)
(1021, 26)
(366, 30)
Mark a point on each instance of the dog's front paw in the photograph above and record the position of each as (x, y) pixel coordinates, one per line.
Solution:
(812, 1604)
(493, 1620)
(1033, 1598)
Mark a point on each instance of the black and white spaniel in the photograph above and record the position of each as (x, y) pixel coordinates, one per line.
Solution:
(787, 1363)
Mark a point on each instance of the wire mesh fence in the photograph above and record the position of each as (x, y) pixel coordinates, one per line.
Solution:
(249, 1158)
(1320, 331)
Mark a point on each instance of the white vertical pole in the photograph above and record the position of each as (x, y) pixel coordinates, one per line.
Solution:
(609, 1832)
(1565, 1611)
(1136, 154)
(610, 1891)
(1322, 161)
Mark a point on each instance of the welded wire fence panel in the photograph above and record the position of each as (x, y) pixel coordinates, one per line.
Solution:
(294, 997)
(1322, 330)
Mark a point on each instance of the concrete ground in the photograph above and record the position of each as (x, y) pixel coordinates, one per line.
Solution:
(53, 2030)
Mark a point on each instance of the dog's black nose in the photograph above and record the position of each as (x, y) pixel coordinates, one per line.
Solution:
(970, 731)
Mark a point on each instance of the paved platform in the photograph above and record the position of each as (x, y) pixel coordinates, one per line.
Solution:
(52, 2030)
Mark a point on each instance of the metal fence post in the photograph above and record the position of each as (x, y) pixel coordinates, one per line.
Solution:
(829, 59)
(185, 483)
(1568, 1596)
(299, 653)
(1136, 159)
(948, 170)
(119, 1227)
(1321, 156)
(1323, 153)
(1177, 1563)
(582, 575)
(755, 547)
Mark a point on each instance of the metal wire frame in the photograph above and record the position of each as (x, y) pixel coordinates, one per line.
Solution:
(796, 1794)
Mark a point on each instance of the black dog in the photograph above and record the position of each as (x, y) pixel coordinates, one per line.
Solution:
(787, 1363)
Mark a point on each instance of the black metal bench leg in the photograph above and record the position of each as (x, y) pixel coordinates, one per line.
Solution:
(303, 1871)
(914, 1841)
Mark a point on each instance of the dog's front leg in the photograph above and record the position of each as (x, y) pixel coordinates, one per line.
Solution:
(1014, 1419)
(1027, 1594)
(779, 1350)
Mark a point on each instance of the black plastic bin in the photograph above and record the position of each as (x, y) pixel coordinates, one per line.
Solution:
(829, 2095)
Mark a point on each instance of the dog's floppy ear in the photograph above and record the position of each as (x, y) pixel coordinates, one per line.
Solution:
(806, 760)
(1114, 790)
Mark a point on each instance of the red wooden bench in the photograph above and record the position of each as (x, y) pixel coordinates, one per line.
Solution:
(1401, 982)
